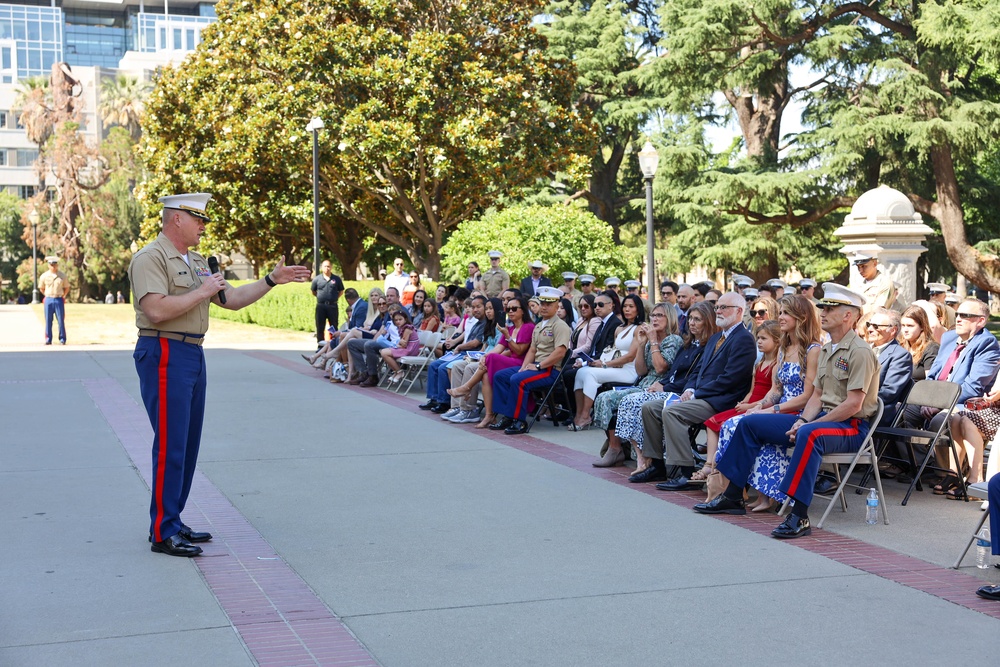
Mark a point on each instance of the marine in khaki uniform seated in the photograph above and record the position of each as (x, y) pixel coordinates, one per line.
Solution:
(834, 420)
(172, 287)
(512, 387)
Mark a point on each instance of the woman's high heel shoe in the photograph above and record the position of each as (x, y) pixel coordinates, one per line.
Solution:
(610, 459)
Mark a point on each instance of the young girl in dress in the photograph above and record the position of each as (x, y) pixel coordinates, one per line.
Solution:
(768, 336)
(408, 345)
(451, 317)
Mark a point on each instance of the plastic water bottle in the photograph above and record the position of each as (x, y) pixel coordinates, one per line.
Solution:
(983, 548)
(871, 518)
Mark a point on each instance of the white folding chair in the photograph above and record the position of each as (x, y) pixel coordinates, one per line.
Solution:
(414, 366)
(865, 455)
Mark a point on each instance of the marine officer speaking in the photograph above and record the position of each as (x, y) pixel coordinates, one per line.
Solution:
(172, 287)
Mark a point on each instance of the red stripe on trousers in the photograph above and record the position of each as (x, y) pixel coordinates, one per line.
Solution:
(161, 436)
(520, 389)
(807, 454)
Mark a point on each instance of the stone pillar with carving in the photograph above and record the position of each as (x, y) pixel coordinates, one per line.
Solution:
(884, 217)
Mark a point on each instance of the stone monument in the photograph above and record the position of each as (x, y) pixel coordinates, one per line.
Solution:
(884, 217)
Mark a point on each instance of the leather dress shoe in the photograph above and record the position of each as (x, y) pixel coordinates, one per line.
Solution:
(722, 505)
(193, 535)
(792, 526)
(429, 405)
(517, 427)
(654, 473)
(500, 423)
(824, 485)
(175, 545)
(370, 381)
(989, 592)
(360, 378)
(441, 408)
(679, 483)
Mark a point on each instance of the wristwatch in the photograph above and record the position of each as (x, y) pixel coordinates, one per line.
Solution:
(538, 366)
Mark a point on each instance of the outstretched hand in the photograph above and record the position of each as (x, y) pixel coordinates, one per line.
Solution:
(282, 274)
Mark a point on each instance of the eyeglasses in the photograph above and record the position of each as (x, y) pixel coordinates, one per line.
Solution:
(721, 308)
(513, 309)
(657, 315)
(872, 325)
(712, 301)
(759, 313)
(969, 316)
(666, 293)
(381, 303)
(602, 304)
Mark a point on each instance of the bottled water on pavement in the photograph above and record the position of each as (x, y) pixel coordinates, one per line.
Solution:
(983, 548)
(871, 518)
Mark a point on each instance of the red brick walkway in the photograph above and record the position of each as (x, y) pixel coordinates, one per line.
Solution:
(945, 583)
(278, 617)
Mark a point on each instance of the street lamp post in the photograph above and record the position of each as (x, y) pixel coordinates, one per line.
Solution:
(33, 217)
(314, 126)
(648, 161)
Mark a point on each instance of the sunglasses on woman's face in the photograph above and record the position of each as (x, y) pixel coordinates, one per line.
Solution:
(513, 309)
(759, 313)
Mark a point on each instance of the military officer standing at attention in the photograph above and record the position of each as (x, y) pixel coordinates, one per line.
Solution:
(938, 293)
(495, 280)
(876, 286)
(569, 288)
(55, 288)
(172, 287)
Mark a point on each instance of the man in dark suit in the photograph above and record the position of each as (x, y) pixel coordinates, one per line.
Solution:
(723, 378)
(530, 285)
(896, 364)
(603, 308)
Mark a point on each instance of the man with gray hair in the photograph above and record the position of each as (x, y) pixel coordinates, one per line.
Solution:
(895, 361)
(722, 378)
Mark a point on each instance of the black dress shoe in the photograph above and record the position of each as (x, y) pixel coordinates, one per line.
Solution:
(175, 545)
(500, 423)
(722, 505)
(654, 473)
(194, 536)
(989, 592)
(792, 526)
(441, 408)
(429, 405)
(517, 427)
(679, 483)
(824, 485)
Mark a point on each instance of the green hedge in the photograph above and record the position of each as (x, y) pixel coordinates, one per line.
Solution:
(293, 306)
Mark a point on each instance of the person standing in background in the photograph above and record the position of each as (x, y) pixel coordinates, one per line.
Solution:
(55, 287)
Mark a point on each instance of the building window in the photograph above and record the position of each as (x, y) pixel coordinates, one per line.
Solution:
(26, 191)
(26, 157)
(5, 121)
(3, 157)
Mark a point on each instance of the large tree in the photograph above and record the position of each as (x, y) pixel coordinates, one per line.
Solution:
(898, 92)
(433, 110)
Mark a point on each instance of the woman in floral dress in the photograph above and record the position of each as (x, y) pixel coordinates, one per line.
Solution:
(798, 359)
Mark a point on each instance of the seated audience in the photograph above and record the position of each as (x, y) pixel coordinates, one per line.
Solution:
(895, 363)
(768, 339)
(628, 427)
(461, 369)
(416, 307)
(512, 387)
(566, 312)
(508, 353)
(617, 366)
(990, 592)
(972, 425)
(430, 320)
(407, 345)
(791, 388)
(468, 339)
(915, 333)
(660, 344)
(583, 335)
(365, 354)
(724, 375)
(835, 419)
(763, 309)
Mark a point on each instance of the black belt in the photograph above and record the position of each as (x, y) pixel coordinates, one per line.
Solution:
(193, 339)
(328, 303)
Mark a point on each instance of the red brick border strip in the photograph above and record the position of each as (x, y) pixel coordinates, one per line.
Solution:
(277, 616)
(945, 583)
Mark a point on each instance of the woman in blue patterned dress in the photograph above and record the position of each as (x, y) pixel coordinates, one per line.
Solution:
(798, 359)
(660, 344)
(701, 327)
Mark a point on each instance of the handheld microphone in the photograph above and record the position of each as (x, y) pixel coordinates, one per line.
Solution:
(213, 266)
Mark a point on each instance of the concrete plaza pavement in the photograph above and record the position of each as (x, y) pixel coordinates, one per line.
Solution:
(431, 544)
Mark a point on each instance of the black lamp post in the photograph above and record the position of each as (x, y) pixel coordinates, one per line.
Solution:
(648, 161)
(314, 126)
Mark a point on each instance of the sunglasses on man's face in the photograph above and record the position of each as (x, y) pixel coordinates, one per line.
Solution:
(969, 316)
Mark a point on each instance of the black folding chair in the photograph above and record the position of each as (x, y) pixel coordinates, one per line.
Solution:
(547, 396)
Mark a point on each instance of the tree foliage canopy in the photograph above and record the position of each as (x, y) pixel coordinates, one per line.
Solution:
(565, 238)
(432, 110)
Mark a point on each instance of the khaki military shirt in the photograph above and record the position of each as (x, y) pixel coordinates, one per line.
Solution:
(851, 365)
(548, 335)
(53, 285)
(879, 291)
(160, 269)
(949, 317)
(494, 281)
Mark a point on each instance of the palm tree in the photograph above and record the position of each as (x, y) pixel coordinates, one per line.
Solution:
(34, 99)
(122, 101)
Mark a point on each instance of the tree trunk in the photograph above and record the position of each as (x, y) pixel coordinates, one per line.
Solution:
(983, 270)
(346, 241)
